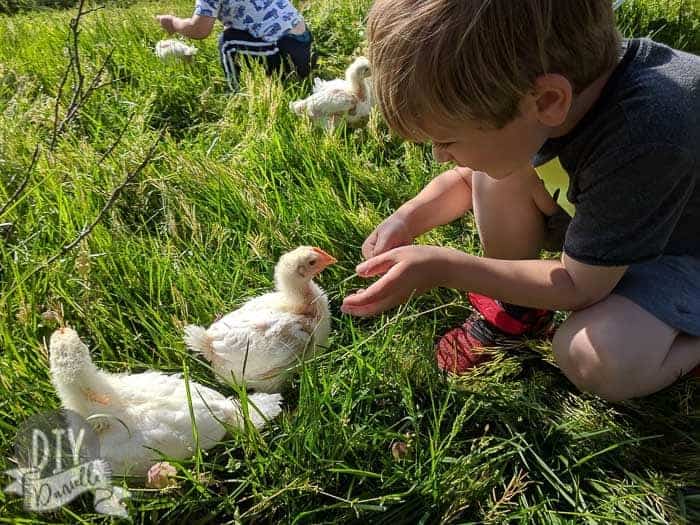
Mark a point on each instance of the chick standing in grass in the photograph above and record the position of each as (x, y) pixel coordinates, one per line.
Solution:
(141, 414)
(260, 343)
(333, 99)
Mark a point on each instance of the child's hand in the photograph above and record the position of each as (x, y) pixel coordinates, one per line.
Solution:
(391, 233)
(166, 22)
(409, 271)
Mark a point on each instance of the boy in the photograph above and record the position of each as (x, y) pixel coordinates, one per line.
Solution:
(511, 90)
(272, 30)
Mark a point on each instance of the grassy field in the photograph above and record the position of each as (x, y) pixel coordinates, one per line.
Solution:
(236, 181)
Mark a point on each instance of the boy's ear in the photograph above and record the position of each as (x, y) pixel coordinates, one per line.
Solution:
(552, 96)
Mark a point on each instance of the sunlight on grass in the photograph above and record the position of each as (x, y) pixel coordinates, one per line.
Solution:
(238, 180)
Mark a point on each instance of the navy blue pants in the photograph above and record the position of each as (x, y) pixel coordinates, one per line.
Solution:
(291, 48)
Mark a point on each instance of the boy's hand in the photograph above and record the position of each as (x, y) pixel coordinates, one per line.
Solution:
(409, 271)
(166, 22)
(391, 233)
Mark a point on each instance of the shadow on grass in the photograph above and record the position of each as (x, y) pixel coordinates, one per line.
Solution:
(674, 22)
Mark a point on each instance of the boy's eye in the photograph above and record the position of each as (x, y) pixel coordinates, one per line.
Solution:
(442, 145)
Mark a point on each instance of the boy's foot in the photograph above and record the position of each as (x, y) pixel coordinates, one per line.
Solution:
(492, 324)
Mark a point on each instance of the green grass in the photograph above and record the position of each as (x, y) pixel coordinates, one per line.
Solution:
(236, 182)
(675, 22)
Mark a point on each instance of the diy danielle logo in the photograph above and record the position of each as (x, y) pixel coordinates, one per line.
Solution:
(57, 454)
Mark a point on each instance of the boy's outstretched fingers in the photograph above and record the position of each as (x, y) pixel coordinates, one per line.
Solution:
(380, 296)
(408, 270)
(166, 22)
(376, 265)
(369, 246)
(390, 234)
(362, 304)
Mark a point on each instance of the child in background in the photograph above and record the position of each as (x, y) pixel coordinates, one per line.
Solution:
(270, 30)
(547, 113)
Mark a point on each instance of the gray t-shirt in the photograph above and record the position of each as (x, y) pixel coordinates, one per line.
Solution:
(634, 161)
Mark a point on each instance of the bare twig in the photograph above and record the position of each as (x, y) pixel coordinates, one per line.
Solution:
(73, 67)
(75, 56)
(57, 105)
(110, 202)
(117, 140)
(98, 76)
(109, 82)
(76, 105)
(15, 195)
(78, 96)
(93, 9)
(78, 99)
(58, 128)
(114, 195)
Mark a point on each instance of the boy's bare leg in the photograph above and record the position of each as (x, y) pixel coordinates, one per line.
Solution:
(511, 219)
(618, 350)
(511, 213)
(595, 347)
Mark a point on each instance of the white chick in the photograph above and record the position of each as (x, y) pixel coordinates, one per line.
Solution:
(333, 99)
(175, 49)
(260, 343)
(153, 407)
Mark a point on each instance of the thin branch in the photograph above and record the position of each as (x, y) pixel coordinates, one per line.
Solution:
(70, 68)
(110, 202)
(109, 83)
(77, 100)
(59, 93)
(93, 9)
(75, 107)
(117, 140)
(24, 182)
(87, 230)
(94, 83)
(78, 96)
(75, 56)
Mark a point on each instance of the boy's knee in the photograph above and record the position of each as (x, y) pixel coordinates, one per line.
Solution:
(592, 365)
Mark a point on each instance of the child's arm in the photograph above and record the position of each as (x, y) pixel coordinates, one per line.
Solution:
(196, 26)
(412, 270)
(446, 198)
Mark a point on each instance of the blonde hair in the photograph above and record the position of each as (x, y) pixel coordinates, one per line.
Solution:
(458, 60)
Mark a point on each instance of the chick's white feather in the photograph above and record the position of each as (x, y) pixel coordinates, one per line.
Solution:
(349, 98)
(153, 407)
(174, 49)
(260, 343)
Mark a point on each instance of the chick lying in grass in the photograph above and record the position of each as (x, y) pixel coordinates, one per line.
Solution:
(261, 342)
(141, 414)
(171, 49)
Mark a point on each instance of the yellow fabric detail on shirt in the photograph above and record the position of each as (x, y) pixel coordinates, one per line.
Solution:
(555, 179)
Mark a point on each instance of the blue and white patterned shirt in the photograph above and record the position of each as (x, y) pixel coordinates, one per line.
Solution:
(265, 19)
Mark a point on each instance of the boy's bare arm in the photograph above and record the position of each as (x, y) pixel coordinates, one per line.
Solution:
(563, 284)
(446, 198)
(196, 26)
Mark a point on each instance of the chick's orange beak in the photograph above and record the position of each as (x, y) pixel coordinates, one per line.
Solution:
(325, 258)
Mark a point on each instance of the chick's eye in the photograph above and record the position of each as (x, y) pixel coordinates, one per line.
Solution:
(312, 262)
